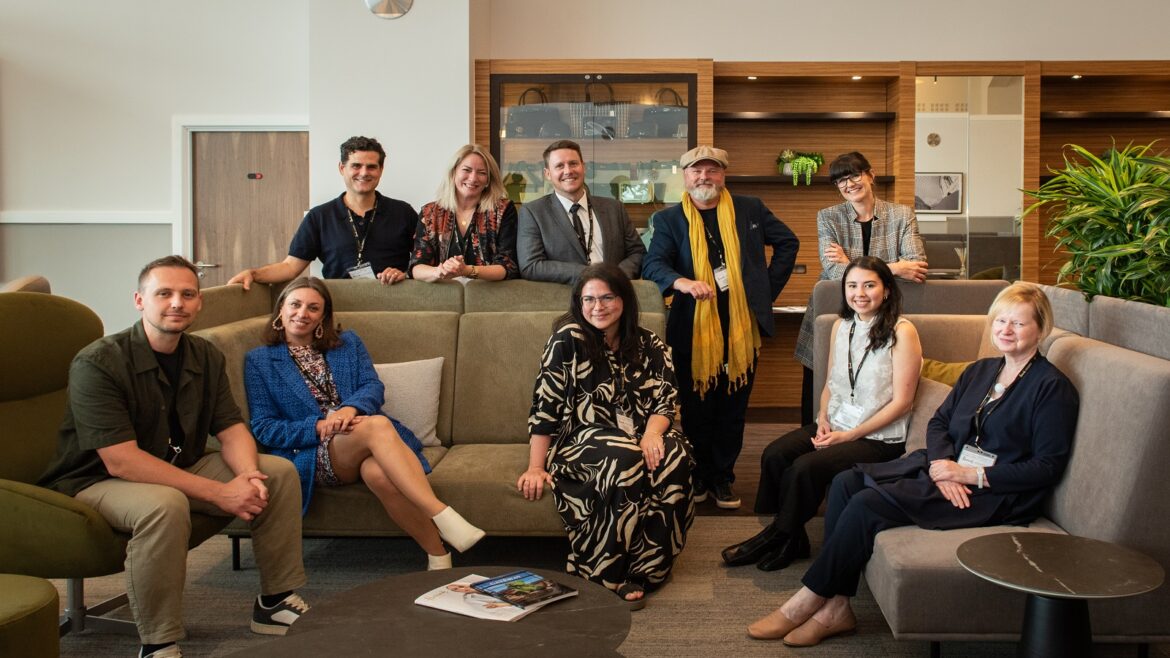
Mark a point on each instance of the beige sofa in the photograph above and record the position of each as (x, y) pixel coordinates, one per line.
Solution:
(490, 336)
(1115, 489)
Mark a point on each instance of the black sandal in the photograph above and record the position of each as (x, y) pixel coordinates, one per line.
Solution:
(630, 587)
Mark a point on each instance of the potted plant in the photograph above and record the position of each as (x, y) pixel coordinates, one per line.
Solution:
(794, 163)
(1111, 214)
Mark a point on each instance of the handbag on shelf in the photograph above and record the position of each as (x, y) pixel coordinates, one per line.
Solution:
(529, 119)
(607, 119)
(668, 118)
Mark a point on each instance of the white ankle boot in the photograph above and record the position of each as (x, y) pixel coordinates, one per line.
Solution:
(455, 530)
(438, 562)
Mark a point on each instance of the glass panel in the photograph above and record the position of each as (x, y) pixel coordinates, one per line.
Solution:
(632, 129)
(969, 168)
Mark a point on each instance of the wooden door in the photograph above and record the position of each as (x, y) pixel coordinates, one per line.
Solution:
(250, 191)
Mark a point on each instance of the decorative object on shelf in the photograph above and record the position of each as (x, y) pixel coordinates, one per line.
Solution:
(794, 163)
(1109, 213)
(938, 193)
(668, 118)
(534, 119)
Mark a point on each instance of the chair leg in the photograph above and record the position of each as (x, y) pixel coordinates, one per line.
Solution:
(1144, 650)
(235, 553)
(936, 650)
(78, 618)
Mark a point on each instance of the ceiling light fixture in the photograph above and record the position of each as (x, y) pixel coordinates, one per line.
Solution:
(1077, 76)
(857, 77)
(389, 9)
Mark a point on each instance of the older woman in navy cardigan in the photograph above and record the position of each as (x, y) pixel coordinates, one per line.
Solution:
(315, 399)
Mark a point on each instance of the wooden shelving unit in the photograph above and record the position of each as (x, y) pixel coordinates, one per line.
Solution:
(783, 178)
(805, 116)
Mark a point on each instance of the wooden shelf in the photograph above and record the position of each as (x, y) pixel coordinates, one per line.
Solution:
(1104, 116)
(781, 178)
(805, 116)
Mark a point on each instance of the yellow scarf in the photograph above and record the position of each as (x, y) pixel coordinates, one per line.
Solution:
(707, 337)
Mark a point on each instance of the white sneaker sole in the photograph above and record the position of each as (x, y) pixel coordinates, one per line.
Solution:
(728, 504)
(268, 629)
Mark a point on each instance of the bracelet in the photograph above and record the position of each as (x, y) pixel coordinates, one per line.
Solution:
(982, 477)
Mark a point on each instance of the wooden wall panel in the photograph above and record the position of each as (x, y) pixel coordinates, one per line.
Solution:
(844, 95)
(1032, 230)
(900, 135)
(1105, 94)
(778, 374)
(752, 147)
(483, 102)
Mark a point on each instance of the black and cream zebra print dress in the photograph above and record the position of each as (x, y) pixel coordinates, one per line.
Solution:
(624, 523)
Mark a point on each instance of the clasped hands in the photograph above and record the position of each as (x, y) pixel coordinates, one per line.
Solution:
(338, 421)
(452, 268)
(390, 276)
(244, 496)
(951, 479)
(826, 436)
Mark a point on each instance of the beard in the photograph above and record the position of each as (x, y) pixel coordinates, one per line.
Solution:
(705, 193)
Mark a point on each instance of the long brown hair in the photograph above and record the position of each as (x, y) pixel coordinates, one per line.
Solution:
(617, 281)
(330, 332)
(881, 332)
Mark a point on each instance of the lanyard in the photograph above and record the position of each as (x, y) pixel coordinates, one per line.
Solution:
(361, 241)
(618, 374)
(324, 384)
(588, 231)
(980, 418)
(457, 244)
(714, 244)
(854, 374)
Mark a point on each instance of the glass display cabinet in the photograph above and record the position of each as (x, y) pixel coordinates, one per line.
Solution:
(632, 129)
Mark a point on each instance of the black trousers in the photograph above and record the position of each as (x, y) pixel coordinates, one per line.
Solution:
(856, 514)
(714, 423)
(794, 475)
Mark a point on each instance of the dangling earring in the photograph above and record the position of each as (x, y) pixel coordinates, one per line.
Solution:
(277, 324)
(319, 331)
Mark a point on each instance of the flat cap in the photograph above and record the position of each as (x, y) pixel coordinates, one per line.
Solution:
(704, 152)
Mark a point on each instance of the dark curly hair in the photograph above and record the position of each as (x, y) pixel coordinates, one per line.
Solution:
(881, 332)
(362, 144)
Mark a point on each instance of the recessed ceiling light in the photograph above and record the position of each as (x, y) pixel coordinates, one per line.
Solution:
(857, 77)
(1077, 76)
(751, 77)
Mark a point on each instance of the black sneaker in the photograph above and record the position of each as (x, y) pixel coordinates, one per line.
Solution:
(277, 619)
(699, 491)
(725, 498)
(169, 651)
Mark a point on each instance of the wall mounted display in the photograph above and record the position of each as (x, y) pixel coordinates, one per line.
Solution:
(938, 193)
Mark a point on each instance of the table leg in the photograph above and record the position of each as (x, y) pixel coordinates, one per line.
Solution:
(1055, 627)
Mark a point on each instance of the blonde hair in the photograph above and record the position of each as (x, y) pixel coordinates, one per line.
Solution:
(1022, 292)
(449, 200)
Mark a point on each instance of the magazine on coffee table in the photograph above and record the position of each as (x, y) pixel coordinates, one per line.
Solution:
(524, 589)
(461, 598)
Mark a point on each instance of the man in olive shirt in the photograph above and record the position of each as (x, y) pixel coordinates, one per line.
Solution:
(140, 406)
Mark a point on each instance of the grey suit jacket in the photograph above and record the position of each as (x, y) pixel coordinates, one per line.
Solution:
(548, 249)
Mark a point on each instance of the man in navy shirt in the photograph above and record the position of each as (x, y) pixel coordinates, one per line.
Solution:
(359, 235)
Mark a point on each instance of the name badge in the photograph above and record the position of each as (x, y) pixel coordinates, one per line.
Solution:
(361, 271)
(721, 278)
(625, 424)
(847, 416)
(975, 457)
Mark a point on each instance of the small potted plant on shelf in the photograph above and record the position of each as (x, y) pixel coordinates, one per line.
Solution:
(794, 163)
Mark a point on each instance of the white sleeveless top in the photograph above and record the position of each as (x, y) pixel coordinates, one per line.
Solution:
(875, 379)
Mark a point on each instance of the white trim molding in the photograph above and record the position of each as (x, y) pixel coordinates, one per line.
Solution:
(87, 217)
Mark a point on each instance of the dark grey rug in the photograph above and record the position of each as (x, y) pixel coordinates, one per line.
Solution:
(703, 611)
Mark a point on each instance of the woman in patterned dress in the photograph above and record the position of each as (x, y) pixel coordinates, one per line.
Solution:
(601, 421)
(469, 232)
(315, 399)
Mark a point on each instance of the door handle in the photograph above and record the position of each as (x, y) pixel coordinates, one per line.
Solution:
(201, 266)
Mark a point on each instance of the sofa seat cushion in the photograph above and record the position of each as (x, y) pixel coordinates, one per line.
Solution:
(479, 480)
(917, 580)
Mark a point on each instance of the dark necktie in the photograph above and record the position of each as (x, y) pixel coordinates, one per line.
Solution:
(579, 228)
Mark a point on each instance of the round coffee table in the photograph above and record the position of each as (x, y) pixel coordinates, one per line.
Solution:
(381, 618)
(1060, 573)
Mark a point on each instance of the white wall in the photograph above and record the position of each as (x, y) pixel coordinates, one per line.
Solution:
(788, 30)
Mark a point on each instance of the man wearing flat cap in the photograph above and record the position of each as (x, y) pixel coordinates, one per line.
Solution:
(708, 251)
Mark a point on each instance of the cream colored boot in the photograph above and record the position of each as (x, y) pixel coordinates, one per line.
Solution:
(455, 530)
(438, 562)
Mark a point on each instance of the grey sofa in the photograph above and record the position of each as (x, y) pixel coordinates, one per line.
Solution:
(490, 335)
(1118, 355)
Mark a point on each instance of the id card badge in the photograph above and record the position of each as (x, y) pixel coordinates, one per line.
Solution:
(361, 271)
(721, 278)
(625, 424)
(847, 416)
(974, 456)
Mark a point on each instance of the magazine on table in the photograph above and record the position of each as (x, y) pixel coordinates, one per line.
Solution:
(461, 598)
(524, 589)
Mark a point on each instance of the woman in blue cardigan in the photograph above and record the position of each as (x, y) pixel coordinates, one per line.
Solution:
(316, 400)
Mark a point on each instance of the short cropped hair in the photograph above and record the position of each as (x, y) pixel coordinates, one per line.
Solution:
(362, 144)
(848, 164)
(562, 144)
(166, 261)
(1022, 292)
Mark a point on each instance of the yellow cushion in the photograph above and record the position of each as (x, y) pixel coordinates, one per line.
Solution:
(945, 373)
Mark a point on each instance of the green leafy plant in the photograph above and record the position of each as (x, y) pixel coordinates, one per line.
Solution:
(1111, 213)
(800, 162)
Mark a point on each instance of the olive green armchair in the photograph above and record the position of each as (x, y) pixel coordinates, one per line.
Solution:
(48, 534)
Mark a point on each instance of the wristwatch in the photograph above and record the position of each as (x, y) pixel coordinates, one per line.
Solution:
(474, 272)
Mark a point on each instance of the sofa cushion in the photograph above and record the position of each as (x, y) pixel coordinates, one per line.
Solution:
(942, 372)
(412, 395)
(1070, 310)
(522, 295)
(927, 398)
(409, 295)
(1133, 325)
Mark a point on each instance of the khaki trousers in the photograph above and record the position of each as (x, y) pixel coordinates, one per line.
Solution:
(158, 519)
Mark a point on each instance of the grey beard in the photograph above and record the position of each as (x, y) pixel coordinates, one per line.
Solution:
(705, 193)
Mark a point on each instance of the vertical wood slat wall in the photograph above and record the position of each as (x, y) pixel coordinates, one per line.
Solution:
(826, 87)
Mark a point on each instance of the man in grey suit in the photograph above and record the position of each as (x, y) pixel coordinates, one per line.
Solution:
(559, 234)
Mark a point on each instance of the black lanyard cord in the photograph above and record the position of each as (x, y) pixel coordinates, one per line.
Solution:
(361, 240)
(853, 375)
(980, 418)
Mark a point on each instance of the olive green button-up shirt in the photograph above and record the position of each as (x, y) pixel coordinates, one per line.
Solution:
(118, 393)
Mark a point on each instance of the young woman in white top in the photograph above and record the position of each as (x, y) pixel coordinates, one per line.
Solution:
(874, 361)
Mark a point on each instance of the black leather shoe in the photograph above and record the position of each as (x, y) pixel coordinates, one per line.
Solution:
(796, 548)
(747, 552)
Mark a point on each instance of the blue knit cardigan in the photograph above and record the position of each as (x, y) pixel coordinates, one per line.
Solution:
(284, 413)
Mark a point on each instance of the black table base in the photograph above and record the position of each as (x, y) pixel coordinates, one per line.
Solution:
(1055, 627)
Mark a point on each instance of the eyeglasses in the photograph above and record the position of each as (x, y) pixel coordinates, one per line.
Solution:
(844, 181)
(589, 300)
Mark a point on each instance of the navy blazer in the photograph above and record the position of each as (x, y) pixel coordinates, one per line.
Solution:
(285, 414)
(669, 258)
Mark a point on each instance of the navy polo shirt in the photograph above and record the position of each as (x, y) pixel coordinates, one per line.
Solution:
(326, 234)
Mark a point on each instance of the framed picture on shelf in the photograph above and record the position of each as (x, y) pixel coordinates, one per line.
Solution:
(938, 193)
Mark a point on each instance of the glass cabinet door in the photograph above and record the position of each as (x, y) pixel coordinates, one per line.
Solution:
(632, 129)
